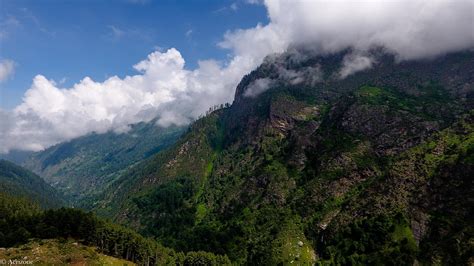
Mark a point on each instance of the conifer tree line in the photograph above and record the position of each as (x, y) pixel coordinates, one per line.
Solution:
(21, 220)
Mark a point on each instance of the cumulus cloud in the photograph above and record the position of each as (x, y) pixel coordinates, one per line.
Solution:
(163, 88)
(7, 69)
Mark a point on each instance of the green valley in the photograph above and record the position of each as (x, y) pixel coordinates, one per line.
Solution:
(82, 167)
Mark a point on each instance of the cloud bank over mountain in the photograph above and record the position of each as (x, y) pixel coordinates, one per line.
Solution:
(163, 88)
(410, 28)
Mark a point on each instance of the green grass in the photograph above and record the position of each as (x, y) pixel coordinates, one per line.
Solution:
(403, 231)
(371, 92)
(291, 247)
(201, 212)
(207, 173)
(430, 103)
(446, 147)
(60, 252)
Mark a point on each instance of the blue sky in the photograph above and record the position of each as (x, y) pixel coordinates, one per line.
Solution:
(68, 40)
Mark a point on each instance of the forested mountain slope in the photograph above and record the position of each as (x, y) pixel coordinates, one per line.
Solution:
(309, 166)
(17, 181)
(84, 166)
(72, 236)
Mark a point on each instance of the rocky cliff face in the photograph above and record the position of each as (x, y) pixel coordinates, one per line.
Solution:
(306, 166)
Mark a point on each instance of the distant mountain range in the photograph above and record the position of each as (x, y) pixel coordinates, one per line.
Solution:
(16, 156)
(308, 165)
(85, 166)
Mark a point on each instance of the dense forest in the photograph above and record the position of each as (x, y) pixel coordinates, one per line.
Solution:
(22, 220)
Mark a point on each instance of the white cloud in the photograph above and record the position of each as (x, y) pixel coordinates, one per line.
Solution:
(7, 69)
(409, 28)
(354, 62)
(164, 88)
(258, 86)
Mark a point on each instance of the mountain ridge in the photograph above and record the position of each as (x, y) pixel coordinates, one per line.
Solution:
(287, 160)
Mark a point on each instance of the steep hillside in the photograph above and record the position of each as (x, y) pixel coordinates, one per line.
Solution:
(307, 166)
(189, 156)
(17, 181)
(84, 166)
(72, 236)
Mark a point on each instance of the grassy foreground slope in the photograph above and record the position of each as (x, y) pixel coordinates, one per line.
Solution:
(56, 252)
